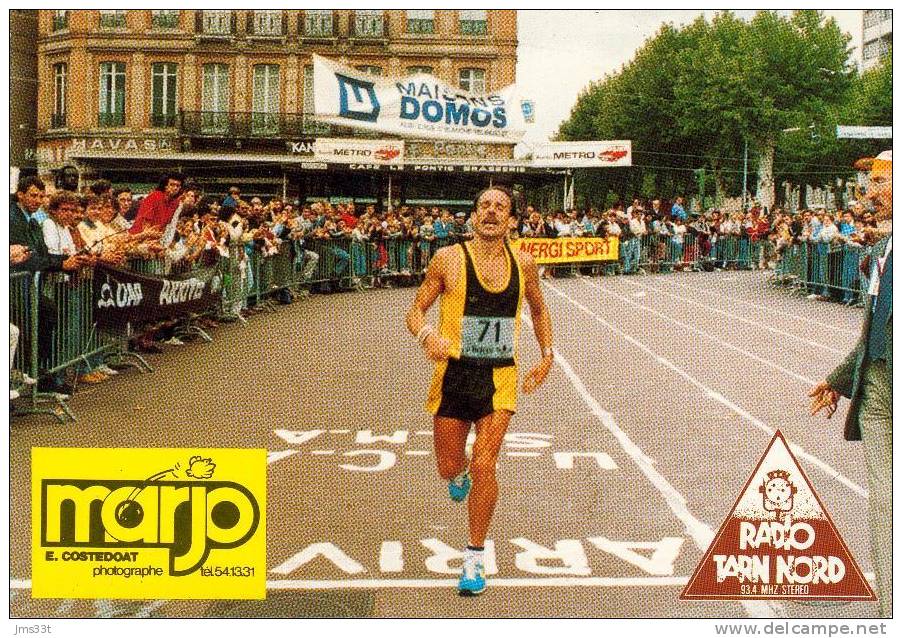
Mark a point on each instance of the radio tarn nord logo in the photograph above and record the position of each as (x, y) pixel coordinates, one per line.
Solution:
(178, 508)
(357, 99)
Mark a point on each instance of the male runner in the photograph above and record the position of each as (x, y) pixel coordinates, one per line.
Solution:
(482, 283)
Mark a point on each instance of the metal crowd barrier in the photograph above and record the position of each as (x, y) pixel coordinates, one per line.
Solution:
(828, 270)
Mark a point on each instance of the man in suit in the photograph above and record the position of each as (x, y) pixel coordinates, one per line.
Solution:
(866, 377)
(25, 232)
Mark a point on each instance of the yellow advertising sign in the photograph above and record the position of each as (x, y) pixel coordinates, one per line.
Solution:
(562, 250)
(148, 523)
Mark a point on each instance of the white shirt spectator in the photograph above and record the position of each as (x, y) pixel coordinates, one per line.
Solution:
(829, 232)
(613, 229)
(57, 238)
(637, 227)
(563, 228)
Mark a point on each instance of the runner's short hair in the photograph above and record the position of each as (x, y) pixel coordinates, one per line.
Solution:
(515, 198)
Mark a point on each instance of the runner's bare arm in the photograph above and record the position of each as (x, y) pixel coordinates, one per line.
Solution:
(433, 285)
(541, 323)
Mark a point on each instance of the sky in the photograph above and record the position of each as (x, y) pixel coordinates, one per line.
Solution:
(561, 52)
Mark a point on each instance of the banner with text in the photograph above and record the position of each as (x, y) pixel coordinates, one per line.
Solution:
(419, 105)
(583, 154)
(123, 296)
(561, 250)
(352, 151)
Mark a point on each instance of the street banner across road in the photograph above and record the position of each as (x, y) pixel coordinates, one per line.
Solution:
(568, 249)
(583, 154)
(350, 150)
(864, 132)
(419, 105)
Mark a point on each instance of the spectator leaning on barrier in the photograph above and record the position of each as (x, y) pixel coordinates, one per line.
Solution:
(26, 232)
(158, 207)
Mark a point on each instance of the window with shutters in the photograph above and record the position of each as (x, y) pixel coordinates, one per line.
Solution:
(60, 87)
(472, 80)
(164, 19)
(368, 23)
(369, 69)
(215, 99)
(60, 20)
(268, 23)
(421, 21)
(265, 118)
(318, 23)
(112, 19)
(473, 21)
(164, 80)
(112, 94)
(217, 22)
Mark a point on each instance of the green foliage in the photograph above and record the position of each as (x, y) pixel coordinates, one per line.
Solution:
(692, 96)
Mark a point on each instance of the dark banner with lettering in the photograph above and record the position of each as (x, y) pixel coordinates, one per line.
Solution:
(122, 296)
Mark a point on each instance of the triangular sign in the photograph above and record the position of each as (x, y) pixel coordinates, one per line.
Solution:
(778, 542)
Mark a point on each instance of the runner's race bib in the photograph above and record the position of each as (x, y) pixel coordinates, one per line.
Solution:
(487, 337)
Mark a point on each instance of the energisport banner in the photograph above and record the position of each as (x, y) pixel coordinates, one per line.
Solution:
(122, 296)
(569, 249)
(155, 523)
(420, 106)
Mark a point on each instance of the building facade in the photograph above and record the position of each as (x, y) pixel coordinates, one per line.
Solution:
(227, 95)
(876, 35)
(23, 91)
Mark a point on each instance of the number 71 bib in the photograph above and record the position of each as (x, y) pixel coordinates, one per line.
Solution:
(487, 337)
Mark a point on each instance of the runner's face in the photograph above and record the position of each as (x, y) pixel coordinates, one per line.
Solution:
(490, 221)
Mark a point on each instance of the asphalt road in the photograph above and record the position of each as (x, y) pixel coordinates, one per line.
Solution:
(614, 476)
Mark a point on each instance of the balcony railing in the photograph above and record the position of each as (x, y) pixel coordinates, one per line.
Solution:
(163, 120)
(112, 20)
(57, 120)
(473, 27)
(317, 25)
(247, 125)
(369, 25)
(111, 119)
(420, 25)
(61, 21)
(217, 24)
(165, 20)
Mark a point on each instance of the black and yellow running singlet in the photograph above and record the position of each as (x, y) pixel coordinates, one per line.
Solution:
(483, 328)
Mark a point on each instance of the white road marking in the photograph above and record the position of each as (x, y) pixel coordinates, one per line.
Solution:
(339, 431)
(417, 453)
(716, 396)
(272, 457)
(767, 308)
(422, 583)
(708, 335)
(424, 432)
(701, 533)
(756, 324)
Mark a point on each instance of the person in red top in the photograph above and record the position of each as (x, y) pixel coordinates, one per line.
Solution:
(348, 217)
(158, 207)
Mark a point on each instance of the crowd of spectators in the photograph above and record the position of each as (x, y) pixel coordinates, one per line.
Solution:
(179, 226)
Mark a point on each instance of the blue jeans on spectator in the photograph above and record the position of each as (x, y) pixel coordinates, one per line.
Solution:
(850, 255)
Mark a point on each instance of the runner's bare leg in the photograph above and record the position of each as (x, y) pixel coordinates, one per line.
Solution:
(450, 437)
(490, 432)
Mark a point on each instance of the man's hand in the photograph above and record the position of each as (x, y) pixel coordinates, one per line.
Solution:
(823, 396)
(536, 377)
(76, 261)
(18, 253)
(437, 347)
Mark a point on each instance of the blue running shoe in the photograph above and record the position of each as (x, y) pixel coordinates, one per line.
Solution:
(459, 487)
(472, 578)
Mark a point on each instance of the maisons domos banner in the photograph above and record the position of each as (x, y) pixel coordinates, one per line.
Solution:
(420, 105)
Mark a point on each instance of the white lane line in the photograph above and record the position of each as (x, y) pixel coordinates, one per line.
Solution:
(424, 432)
(708, 335)
(767, 308)
(322, 452)
(527, 454)
(551, 581)
(558, 581)
(339, 431)
(701, 533)
(716, 396)
(417, 452)
(756, 324)
(272, 457)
